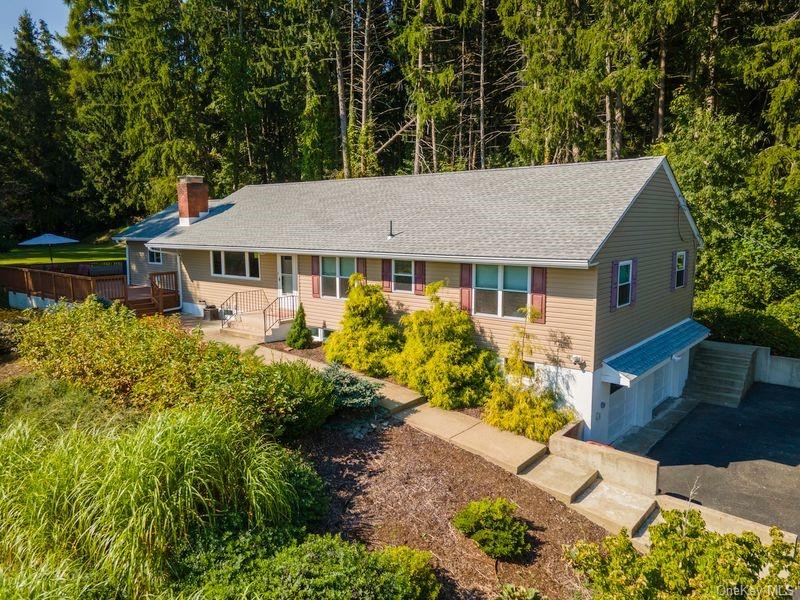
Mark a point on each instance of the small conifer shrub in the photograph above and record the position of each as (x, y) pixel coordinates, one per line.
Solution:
(299, 335)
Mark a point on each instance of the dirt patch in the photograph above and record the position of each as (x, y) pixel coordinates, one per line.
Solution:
(472, 411)
(315, 352)
(11, 366)
(396, 485)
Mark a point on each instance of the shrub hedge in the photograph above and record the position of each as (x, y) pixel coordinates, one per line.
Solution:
(440, 358)
(366, 338)
(153, 363)
(11, 321)
(492, 525)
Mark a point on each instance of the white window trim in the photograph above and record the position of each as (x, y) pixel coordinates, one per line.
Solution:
(677, 261)
(413, 277)
(338, 276)
(294, 275)
(500, 283)
(246, 265)
(621, 264)
(160, 254)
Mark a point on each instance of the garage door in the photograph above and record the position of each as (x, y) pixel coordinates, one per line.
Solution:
(620, 412)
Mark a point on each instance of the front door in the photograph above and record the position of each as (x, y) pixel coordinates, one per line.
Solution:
(287, 275)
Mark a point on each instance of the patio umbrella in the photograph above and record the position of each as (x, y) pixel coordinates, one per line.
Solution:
(49, 240)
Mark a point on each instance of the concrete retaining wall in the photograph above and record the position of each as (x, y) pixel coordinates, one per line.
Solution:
(22, 301)
(629, 471)
(778, 370)
(722, 522)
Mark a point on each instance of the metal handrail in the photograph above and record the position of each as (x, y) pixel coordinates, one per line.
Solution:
(239, 303)
(283, 308)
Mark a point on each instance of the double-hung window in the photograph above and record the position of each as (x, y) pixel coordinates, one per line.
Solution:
(403, 275)
(336, 271)
(501, 291)
(225, 263)
(680, 269)
(624, 269)
(154, 257)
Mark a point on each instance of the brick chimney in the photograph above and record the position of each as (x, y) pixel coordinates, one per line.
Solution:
(192, 199)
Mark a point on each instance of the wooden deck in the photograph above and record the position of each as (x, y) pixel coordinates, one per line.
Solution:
(75, 282)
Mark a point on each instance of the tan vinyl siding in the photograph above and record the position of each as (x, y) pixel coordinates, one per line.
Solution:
(570, 307)
(653, 228)
(140, 269)
(200, 286)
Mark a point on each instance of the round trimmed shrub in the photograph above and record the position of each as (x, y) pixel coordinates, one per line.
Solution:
(492, 525)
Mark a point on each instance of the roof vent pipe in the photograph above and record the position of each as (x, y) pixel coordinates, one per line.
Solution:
(391, 231)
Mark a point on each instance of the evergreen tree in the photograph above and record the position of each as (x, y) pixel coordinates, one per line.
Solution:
(299, 335)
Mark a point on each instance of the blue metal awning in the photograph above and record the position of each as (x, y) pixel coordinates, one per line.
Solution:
(642, 358)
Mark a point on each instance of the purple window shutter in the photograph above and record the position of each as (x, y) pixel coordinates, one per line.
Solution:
(386, 274)
(614, 283)
(361, 267)
(419, 277)
(466, 287)
(673, 271)
(634, 265)
(315, 276)
(539, 292)
(686, 278)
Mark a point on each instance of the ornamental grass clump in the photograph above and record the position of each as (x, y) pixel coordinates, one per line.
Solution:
(519, 402)
(366, 339)
(492, 526)
(115, 507)
(440, 358)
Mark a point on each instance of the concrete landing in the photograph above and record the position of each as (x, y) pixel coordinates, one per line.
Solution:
(444, 424)
(613, 507)
(639, 440)
(396, 397)
(511, 452)
(561, 478)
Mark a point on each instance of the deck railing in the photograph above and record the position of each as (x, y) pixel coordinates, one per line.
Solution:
(164, 290)
(48, 283)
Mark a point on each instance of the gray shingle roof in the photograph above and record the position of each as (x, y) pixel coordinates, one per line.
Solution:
(554, 214)
(644, 357)
(154, 225)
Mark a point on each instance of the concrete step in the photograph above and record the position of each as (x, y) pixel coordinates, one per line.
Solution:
(243, 334)
(561, 478)
(641, 537)
(729, 380)
(724, 365)
(512, 452)
(720, 386)
(716, 398)
(614, 507)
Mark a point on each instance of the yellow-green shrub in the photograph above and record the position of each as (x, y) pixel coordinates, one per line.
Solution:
(440, 358)
(519, 403)
(366, 339)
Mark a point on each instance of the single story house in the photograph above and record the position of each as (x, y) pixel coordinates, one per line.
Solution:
(604, 251)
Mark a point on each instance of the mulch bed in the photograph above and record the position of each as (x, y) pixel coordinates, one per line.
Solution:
(395, 485)
(11, 366)
(316, 352)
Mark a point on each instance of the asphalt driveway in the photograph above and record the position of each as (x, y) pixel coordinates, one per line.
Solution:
(744, 461)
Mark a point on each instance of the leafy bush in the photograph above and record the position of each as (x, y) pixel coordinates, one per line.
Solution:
(740, 325)
(312, 502)
(687, 561)
(787, 311)
(323, 567)
(440, 358)
(492, 525)
(518, 592)
(351, 391)
(299, 335)
(366, 339)
(11, 322)
(154, 363)
(118, 505)
(519, 403)
(295, 398)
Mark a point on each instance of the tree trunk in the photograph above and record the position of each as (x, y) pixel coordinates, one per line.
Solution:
(619, 124)
(661, 106)
(342, 110)
(352, 52)
(420, 123)
(365, 85)
(711, 99)
(433, 146)
(609, 115)
(482, 101)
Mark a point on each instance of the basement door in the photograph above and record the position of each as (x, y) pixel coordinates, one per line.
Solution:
(621, 412)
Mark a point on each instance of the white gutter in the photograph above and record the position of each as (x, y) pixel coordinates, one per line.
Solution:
(491, 260)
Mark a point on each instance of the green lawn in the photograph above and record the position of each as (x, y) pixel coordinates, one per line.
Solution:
(66, 253)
